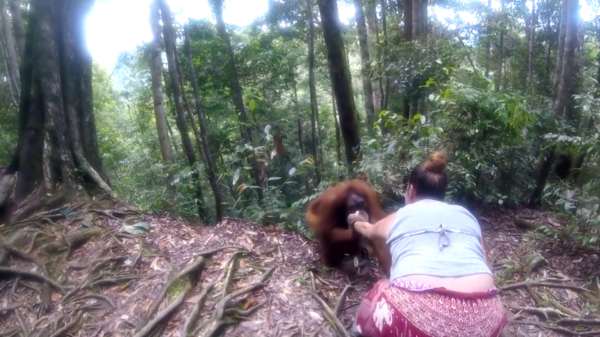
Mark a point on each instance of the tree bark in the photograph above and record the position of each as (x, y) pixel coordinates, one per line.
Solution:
(340, 75)
(336, 122)
(238, 100)
(18, 27)
(366, 65)
(408, 20)
(55, 100)
(157, 89)
(179, 108)
(531, 45)
(208, 160)
(385, 83)
(313, 92)
(488, 42)
(559, 51)
(500, 59)
(373, 27)
(10, 53)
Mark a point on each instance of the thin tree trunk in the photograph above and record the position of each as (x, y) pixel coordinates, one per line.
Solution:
(298, 113)
(313, 92)
(336, 122)
(386, 83)
(366, 65)
(500, 59)
(208, 160)
(340, 75)
(531, 45)
(10, 51)
(18, 27)
(236, 87)
(157, 90)
(408, 20)
(488, 42)
(179, 108)
(559, 51)
(373, 27)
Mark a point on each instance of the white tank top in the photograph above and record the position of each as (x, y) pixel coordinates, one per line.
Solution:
(431, 237)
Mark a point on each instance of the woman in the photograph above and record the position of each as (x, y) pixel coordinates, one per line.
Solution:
(440, 283)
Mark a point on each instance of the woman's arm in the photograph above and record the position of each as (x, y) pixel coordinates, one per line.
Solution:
(380, 229)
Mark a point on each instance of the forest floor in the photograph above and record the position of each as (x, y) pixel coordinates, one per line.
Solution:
(86, 270)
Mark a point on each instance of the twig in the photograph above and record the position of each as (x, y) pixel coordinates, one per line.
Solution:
(539, 311)
(31, 275)
(97, 297)
(144, 331)
(22, 323)
(336, 309)
(556, 328)
(541, 284)
(334, 320)
(192, 318)
(62, 331)
(196, 265)
(579, 321)
(231, 266)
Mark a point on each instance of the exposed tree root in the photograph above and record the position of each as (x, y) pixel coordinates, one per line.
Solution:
(198, 306)
(339, 302)
(330, 315)
(65, 329)
(74, 239)
(541, 284)
(147, 329)
(31, 275)
(564, 331)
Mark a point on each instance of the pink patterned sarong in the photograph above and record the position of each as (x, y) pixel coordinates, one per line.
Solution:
(409, 308)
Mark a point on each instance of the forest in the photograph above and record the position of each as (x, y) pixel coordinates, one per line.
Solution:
(167, 196)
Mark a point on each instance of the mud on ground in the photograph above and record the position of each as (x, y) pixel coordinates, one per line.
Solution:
(87, 271)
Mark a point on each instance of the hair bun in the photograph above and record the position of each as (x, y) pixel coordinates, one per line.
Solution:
(436, 162)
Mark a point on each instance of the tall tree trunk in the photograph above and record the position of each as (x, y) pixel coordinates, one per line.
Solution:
(208, 160)
(408, 20)
(157, 90)
(373, 27)
(298, 113)
(336, 122)
(531, 45)
(179, 108)
(488, 42)
(559, 51)
(58, 70)
(564, 91)
(366, 65)
(238, 100)
(500, 59)
(313, 92)
(10, 53)
(385, 84)
(17, 24)
(340, 75)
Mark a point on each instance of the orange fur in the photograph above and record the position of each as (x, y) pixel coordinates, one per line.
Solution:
(327, 219)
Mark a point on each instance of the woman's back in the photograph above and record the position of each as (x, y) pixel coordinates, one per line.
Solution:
(418, 253)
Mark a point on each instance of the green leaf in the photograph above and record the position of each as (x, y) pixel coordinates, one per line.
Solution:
(267, 129)
(423, 119)
(236, 176)
(252, 105)
(139, 228)
(292, 171)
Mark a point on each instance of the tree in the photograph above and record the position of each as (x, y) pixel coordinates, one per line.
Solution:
(366, 64)
(157, 90)
(179, 108)
(9, 52)
(340, 74)
(57, 157)
(236, 88)
(314, 107)
(17, 23)
(208, 160)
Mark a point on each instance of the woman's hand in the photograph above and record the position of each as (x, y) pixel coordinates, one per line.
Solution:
(360, 223)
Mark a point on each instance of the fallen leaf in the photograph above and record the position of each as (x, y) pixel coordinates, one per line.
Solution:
(55, 296)
(193, 299)
(315, 315)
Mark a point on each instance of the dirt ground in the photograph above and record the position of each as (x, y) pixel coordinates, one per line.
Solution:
(85, 271)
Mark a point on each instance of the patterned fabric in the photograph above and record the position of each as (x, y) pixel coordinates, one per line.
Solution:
(413, 285)
(388, 310)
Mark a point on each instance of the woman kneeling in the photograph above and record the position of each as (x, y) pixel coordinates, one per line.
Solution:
(440, 283)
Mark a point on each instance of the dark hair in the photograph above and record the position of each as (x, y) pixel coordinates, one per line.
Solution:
(429, 179)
